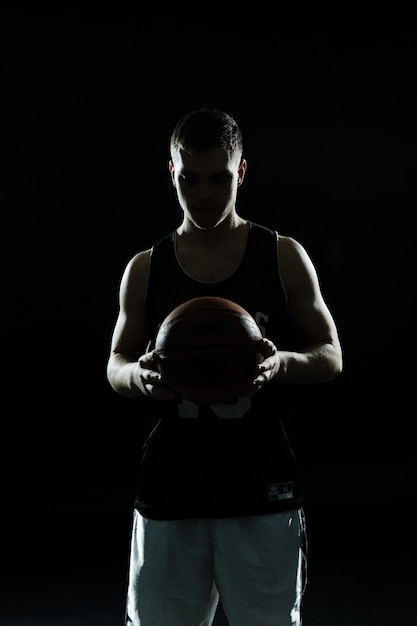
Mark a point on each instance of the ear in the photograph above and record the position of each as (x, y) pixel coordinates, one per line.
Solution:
(171, 169)
(242, 171)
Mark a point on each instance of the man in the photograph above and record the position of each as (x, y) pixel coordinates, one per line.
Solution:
(219, 510)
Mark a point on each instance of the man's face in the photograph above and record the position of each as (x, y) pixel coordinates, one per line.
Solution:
(206, 184)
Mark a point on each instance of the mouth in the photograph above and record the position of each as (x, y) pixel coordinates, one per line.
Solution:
(205, 209)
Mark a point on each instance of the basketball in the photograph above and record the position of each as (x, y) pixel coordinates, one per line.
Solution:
(207, 350)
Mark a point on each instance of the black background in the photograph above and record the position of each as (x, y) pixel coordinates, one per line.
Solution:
(89, 100)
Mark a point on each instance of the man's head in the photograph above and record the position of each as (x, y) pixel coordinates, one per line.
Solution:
(207, 166)
(207, 129)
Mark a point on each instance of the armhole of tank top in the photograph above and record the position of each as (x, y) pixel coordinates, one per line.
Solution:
(151, 251)
(279, 271)
(151, 254)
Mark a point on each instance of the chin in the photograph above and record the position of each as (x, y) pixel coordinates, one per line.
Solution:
(208, 225)
(208, 221)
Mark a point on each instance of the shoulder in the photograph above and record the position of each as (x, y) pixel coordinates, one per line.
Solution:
(138, 267)
(135, 275)
(296, 266)
(139, 262)
(289, 247)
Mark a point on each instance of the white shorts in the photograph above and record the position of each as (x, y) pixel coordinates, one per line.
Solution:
(178, 569)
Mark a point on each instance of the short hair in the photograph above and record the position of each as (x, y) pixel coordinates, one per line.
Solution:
(207, 129)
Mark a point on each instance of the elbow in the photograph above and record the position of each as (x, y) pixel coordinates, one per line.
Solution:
(336, 365)
(335, 372)
(110, 373)
(329, 359)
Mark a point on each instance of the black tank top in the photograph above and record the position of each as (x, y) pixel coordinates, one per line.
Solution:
(223, 460)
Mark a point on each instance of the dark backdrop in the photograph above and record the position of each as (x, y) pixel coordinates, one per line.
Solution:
(88, 104)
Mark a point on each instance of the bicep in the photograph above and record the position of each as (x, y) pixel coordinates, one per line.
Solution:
(307, 309)
(131, 328)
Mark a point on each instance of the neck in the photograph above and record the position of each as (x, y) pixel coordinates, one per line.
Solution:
(209, 235)
(212, 255)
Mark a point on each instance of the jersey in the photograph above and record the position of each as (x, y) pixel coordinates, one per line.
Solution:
(225, 460)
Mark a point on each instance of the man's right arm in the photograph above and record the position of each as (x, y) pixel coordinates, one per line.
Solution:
(130, 334)
(131, 370)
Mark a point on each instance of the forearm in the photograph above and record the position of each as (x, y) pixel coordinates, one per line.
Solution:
(123, 376)
(314, 365)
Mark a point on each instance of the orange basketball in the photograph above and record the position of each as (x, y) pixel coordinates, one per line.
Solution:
(208, 349)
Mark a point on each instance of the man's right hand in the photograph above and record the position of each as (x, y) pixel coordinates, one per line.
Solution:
(149, 380)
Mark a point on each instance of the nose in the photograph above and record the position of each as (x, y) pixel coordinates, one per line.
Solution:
(204, 191)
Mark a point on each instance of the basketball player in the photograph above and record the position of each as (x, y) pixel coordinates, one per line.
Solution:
(219, 510)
